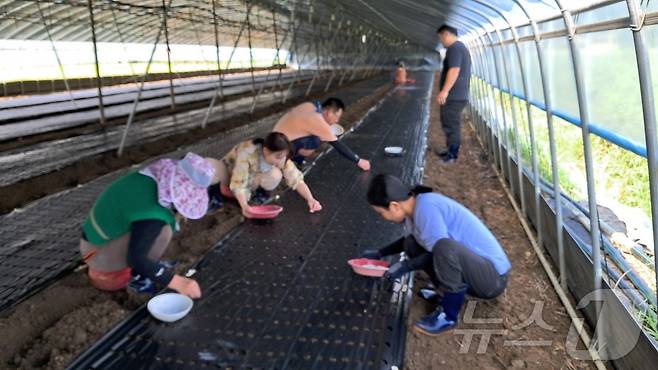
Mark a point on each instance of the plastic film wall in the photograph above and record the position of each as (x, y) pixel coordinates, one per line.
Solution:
(563, 100)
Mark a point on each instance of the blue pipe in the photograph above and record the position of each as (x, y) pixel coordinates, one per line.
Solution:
(612, 252)
(594, 128)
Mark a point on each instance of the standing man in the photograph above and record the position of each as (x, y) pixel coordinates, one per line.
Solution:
(454, 84)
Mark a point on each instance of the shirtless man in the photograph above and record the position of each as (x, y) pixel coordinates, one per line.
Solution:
(308, 125)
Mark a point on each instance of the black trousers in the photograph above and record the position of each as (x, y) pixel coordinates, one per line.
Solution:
(455, 268)
(451, 120)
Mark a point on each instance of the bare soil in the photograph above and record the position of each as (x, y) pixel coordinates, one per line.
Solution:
(92, 167)
(472, 182)
(48, 330)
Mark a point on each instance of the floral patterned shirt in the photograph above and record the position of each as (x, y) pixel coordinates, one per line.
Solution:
(246, 160)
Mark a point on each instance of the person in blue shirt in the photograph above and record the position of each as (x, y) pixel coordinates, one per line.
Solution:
(446, 240)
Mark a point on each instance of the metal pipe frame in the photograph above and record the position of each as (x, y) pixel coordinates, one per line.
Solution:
(548, 102)
(123, 42)
(220, 85)
(220, 77)
(485, 103)
(533, 149)
(317, 56)
(649, 114)
(504, 134)
(635, 21)
(520, 187)
(276, 58)
(595, 231)
(555, 176)
(59, 60)
(139, 92)
(166, 32)
(99, 81)
(515, 126)
(299, 66)
(489, 108)
(251, 55)
(351, 43)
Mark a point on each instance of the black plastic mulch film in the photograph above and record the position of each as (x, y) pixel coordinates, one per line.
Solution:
(280, 295)
(40, 242)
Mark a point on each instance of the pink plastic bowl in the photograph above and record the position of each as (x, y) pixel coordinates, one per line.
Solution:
(367, 267)
(265, 211)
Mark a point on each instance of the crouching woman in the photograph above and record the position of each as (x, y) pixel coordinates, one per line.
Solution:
(131, 224)
(253, 168)
(446, 240)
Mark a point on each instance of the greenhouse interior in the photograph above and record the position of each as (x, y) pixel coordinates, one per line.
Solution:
(163, 200)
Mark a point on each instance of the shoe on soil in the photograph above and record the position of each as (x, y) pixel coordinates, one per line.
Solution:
(141, 285)
(442, 153)
(435, 323)
(448, 159)
(167, 264)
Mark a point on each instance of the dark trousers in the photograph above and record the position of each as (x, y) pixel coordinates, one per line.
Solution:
(455, 268)
(307, 142)
(451, 121)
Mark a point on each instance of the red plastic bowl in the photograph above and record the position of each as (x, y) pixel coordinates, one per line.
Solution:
(265, 211)
(368, 267)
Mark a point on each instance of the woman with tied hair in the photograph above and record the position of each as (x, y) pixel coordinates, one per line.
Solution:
(256, 167)
(131, 224)
(447, 241)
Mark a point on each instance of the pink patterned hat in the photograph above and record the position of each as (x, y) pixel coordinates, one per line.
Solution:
(183, 183)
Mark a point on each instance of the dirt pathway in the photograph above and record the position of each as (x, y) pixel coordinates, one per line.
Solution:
(512, 324)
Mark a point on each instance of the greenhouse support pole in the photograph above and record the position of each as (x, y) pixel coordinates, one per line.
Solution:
(504, 138)
(139, 93)
(300, 62)
(59, 60)
(293, 51)
(487, 125)
(99, 81)
(220, 74)
(548, 102)
(228, 63)
(491, 102)
(515, 124)
(166, 32)
(480, 109)
(251, 54)
(649, 114)
(533, 144)
(595, 231)
(317, 61)
(276, 59)
(333, 46)
(376, 63)
(477, 109)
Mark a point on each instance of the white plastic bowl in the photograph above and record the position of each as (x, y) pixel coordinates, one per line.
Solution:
(337, 129)
(393, 150)
(170, 307)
